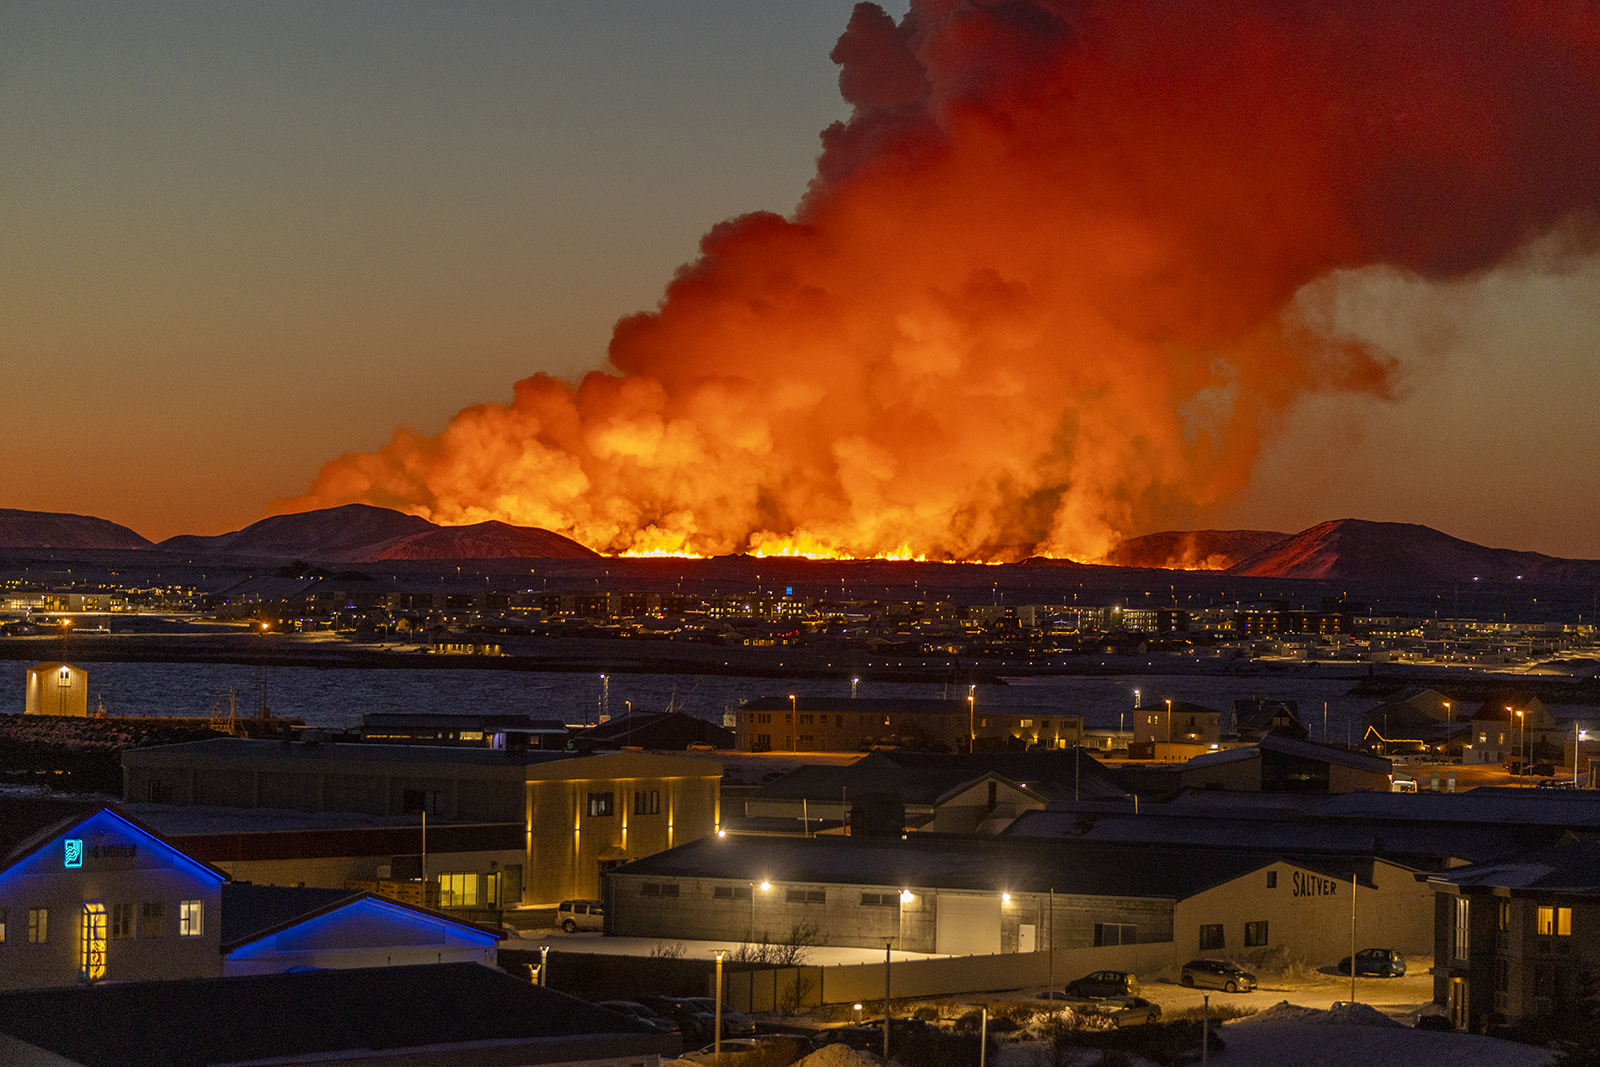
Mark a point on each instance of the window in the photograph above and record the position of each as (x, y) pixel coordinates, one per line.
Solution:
(807, 739)
(152, 918)
(1025, 723)
(417, 801)
(158, 792)
(1461, 929)
(191, 918)
(880, 900)
(1555, 921)
(602, 804)
(764, 740)
(806, 719)
(121, 921)
(659, 889)
(2, 926)
(647, 802)
(731, 892)
(38, 926)
(1255, 935)
(1272, 879)
(1211, 937)
(1115, 934)
(491, 889)
(806, 896)
(92, 946)
(459, 889)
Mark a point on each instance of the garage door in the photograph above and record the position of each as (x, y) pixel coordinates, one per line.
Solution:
(967, 925)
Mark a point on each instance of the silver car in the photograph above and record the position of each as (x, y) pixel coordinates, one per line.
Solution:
(575, 915)
(1218, 974)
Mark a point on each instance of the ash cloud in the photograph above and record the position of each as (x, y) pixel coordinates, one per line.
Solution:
(1041, 290)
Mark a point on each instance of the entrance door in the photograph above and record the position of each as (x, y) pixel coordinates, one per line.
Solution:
(1458, 1002)
(1026, 938)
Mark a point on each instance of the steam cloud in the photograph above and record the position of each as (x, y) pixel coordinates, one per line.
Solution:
(1043, 286)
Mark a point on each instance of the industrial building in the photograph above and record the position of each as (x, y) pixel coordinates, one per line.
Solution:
(953, 894)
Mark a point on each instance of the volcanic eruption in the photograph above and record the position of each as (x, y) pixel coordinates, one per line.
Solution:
(1063, 271)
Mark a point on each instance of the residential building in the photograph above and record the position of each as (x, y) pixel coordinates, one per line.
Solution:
(827, 724)
(1517, 939)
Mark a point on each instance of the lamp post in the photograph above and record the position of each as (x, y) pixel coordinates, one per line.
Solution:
(1169, 720)
(716, 1042)
(544, 963)
(794, 719)
(972, 721)
(1522, 733)
(888, 959)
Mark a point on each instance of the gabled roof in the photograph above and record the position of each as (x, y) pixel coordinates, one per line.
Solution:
(259, 1018)
(253, 912)
(1290, 746)
(29, 854)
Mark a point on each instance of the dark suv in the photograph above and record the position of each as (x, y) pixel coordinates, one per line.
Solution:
(1105, 984)
(1218, 974)
(1383, 962)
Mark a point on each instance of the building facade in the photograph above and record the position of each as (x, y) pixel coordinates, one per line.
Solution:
(825, 724)
(57, 689)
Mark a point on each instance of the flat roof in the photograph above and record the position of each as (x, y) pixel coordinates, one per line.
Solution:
(959, 863)
(244, 749)
(202, 1021)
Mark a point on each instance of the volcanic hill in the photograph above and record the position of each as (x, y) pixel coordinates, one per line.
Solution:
(1356, 549)
(50, 529)
(360, 533)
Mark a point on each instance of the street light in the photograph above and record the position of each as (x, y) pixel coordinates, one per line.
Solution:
(1522, 733)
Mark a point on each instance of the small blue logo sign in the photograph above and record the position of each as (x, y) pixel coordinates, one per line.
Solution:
(74, 852)
(788, 590)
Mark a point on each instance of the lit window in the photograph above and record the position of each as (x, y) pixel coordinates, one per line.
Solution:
(601, 804)
(459, 890)
(92, 949)
(191, 918)
(1463, 942)
(38, 926)
(1555, 922)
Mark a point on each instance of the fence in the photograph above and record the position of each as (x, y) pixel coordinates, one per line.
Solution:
(763, 988)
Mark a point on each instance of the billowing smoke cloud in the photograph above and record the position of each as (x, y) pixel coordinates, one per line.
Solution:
(1043, 287)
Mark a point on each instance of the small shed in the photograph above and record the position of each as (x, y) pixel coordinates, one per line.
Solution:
(57, 689)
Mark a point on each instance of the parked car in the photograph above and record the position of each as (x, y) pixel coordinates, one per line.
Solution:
(575, 915)
(696, 1025)
(1104, 984)
(1382, 962)
(734, 1023)
(640, 1012)
(1435, 1022)
(738, 1050)
(1217, 974)
(868, 1036)
(1130, 1011)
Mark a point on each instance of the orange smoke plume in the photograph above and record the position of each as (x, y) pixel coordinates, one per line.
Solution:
(1042, 288)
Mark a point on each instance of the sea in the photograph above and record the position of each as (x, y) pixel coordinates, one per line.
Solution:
(336, 698)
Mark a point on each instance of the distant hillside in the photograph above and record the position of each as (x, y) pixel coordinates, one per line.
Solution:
(360, 533)
(50, 529)
(484, 540)
(1192, 550)
(1355, 549)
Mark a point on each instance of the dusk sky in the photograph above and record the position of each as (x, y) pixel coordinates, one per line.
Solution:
(238, 241)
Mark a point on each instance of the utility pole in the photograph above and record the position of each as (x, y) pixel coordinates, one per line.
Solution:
(888, 959)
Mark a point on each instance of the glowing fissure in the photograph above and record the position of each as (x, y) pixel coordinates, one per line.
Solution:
(1052, 282)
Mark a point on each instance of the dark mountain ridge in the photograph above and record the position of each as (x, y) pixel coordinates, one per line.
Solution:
(53, 529)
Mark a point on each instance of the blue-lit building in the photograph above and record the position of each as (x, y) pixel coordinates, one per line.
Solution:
(101, 897)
